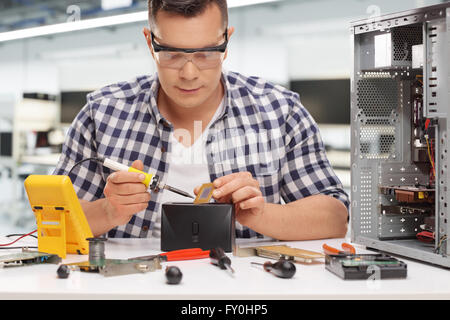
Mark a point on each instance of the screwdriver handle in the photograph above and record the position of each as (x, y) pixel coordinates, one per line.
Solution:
(282, 268)
(220, 259)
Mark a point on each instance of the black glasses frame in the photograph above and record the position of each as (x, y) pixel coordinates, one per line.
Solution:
(221, 48)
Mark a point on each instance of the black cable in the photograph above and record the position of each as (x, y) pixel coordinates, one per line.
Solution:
(7, 248)
(19, 234)
(99, 160)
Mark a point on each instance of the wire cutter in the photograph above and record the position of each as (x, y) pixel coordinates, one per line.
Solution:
(177, 255)
(347, 249)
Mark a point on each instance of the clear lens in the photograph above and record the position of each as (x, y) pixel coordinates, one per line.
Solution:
(176, 60)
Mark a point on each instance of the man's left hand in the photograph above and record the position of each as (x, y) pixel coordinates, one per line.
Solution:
(243, 190)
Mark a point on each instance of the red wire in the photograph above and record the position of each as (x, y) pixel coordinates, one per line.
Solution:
(25, 235)
(427, 123)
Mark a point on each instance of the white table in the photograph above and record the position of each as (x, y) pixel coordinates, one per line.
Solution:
(201, 279)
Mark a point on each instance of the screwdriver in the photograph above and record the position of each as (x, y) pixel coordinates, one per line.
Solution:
(220, 259)
(282, 268)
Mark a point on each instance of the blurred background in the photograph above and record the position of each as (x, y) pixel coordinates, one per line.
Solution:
(54, 52)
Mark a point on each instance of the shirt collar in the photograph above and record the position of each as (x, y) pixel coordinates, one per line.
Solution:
(153, 98)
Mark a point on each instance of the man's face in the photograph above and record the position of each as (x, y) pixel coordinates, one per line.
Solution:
(189, 86)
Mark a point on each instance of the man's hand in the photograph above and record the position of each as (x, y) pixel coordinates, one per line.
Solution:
(243, 190)
(125, 195)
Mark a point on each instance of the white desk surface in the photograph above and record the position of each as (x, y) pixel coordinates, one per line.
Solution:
(201, 280)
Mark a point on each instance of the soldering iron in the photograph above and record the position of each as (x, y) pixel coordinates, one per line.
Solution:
(151, 181)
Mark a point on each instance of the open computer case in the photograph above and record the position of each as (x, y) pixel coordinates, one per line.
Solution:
(400, 113)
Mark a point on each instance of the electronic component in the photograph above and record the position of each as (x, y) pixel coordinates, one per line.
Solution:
(407, 210)
(205, 193)
(409, 194)
(27, 257)
(365, 266)
(278, 252)
(112, 267)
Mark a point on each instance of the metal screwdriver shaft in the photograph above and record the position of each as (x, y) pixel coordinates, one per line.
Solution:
(220, 259)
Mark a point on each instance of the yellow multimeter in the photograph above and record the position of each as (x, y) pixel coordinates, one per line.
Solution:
(62, 226)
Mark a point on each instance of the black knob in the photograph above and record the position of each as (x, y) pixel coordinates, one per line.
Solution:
(173, 275)
(63, 271)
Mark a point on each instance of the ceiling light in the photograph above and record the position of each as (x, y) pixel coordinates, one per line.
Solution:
(98, 22)
(115, 4)
(241, 3)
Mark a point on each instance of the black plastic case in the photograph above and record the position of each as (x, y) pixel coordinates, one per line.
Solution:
(189, 225)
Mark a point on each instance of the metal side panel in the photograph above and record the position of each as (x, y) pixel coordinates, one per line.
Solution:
(406, 248)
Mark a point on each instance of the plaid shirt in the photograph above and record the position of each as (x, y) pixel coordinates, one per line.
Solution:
(263, 129)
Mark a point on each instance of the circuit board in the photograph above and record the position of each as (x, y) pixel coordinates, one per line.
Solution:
(28, 258)
(281, 251)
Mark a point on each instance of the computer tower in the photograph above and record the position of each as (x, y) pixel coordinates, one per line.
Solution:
(400, 113)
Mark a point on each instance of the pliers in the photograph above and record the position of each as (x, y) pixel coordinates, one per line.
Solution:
(347, 249)
(177, 255)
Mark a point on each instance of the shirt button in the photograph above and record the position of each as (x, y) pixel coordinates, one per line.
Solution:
(163, 149)
(145, 228)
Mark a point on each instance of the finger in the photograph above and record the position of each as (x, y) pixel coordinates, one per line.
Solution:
(125, 177)
(245, 193)
(234, 185)
(131, 209)
(230, 177)
(140, 198)
(127, 189)
(251, 203)
(196, 190)
(226, 199)
(137, 164)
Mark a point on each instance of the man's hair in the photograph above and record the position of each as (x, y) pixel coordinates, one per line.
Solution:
(185, 8)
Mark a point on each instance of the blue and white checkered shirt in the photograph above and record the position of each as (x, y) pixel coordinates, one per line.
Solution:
(263, 129)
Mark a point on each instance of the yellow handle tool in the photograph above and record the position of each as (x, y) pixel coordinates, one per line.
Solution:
(150, 179)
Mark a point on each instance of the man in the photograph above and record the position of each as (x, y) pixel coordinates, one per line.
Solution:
(252, 139)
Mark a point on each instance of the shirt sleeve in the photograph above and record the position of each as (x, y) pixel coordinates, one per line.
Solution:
(306, 170)
(80, 144)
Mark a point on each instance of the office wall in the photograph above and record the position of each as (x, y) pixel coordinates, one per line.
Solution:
(295, 39)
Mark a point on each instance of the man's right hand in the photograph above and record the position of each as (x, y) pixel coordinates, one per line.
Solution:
(125, 195)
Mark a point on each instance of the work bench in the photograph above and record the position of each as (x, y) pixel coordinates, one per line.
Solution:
(201, 280)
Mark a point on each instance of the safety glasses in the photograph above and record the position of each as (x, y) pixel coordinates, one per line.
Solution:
(203, 58)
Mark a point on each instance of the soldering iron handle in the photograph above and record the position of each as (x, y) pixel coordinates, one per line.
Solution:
(116, 166)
